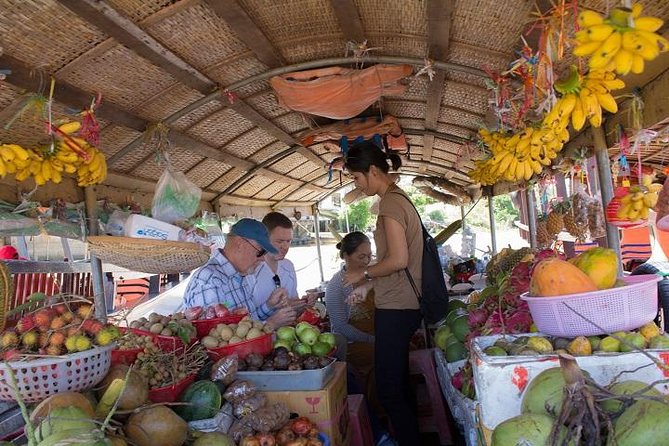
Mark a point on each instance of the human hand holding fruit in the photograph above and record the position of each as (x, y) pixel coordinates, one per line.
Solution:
(282, 316)
(278, 298)
(358, 295)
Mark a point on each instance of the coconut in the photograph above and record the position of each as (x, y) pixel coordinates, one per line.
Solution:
(136, 390)
(530, 428)
(214, 439)
(62, 399)
(61, 419)
(545, 393)
(156, 425)
(643, 423)
(626, 388)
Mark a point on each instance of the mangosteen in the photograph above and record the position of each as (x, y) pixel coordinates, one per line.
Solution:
(252, 369)
(324, 361)
(280, 351)
(254, 360)
(294, 366)
(241, 365)
(267, 366)
(281, 362)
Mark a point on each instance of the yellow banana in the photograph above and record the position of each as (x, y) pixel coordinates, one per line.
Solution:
(57, 164)
(35, 167)
(39, 180)
(587, 18)
(607, 102)
(22, 174)
(599, 33)
(19, 152)
(633, 214)
(654, 39)
(577, 115)
(623, 60)
(637, 8)
(586, 48)
(637, 64)
(3, 168)
(624, 210)
(655, 187)
(528, 170)
(643, 214)
(70, 127)
(650, 24)
(21, 164)
(46, 170)
(56, 176)
(634, 42)
(94, 164)
(567, 103)
(606, 51)
(535, 165)
(70, 168)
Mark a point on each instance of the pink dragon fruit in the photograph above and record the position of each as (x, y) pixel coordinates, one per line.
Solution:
(458, 379)
(520, 277)
(512, 298)
(477, 317)
(494, 320)
(518, 322)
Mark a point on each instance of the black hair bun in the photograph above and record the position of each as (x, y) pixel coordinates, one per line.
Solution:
(338, 246)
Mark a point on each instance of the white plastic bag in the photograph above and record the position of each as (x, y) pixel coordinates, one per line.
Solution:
(176, 197)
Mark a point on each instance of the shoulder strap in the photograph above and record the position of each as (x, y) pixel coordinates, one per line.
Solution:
(406, 270)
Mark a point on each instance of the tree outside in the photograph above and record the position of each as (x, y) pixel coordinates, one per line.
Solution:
(359, 216)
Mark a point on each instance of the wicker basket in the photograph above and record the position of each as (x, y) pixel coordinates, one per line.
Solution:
(149, 256)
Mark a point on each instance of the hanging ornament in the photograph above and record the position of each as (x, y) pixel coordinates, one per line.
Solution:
(90, 128)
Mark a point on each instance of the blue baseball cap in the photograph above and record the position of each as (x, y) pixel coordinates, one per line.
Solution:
(253, 230)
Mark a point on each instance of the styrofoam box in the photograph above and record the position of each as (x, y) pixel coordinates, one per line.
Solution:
(139, 226)
(462, 408)
(500, 381)
(286, 380)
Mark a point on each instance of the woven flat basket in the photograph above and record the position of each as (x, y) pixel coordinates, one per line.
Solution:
(149, 256)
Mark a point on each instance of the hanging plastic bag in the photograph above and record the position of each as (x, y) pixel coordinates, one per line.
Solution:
(176, 197)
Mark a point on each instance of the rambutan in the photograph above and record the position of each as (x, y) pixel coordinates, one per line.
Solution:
(9, 339)
(68, 316)
(43, 339)
(43, 318)
(92, 326)
(104, 337)
(57, 323)
(11, 355)
(85, 311)
(54, 350)
(83, 343)
(25, 324)
(57, 338)
(71, 343)
(30, 339)
(72, 331)
(61, 308)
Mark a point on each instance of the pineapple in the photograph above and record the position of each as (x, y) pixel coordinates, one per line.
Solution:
(578, 231)
(555, 219)
(543, 237)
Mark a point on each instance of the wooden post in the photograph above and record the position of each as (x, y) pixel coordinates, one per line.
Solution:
(318, 242)
(531, 215)
(493, 233)
(96, 265)
(606, 189)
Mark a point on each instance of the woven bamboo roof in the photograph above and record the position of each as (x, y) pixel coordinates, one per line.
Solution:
(166, 62)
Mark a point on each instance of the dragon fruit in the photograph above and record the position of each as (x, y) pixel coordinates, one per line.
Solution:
(477, 317)
(512, 298)
(458, 379)
(518, 322)
(494, 320)
(520, 277)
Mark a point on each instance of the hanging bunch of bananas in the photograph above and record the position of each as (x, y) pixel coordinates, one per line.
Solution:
(517, 157)
(12, 159)
(637, 203)
(584, 97)
(621, 42)
(69, 154)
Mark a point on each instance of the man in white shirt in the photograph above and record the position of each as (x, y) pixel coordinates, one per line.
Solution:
(277, 271)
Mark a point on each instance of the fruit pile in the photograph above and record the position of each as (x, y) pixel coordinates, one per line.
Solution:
(298, 432)
(68, 154)
(173, 325)
(305, 339)
(281, 359)
(162, 369)
(229, 334)
(637, 201)
(646, 337)
(131, 341)
(56, 329)
(463, 381)
(211, 312)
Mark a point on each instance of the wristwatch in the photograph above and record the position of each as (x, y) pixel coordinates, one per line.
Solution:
(367, 275)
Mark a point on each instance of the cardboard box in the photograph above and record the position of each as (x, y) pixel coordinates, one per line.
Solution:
(501, 380)
(327, 408)
(139, 226)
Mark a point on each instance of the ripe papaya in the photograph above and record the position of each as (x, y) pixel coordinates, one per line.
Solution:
(555, 277)
(600, 264)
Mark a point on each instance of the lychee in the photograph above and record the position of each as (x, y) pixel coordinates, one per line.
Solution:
(9, 340)
(57, 322)
(25, 324)
(43, 318)
(85, 311)
(57, 338)
(83, 343)
(29, 339)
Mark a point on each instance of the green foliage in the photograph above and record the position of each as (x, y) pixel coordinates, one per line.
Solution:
(418, 199)
(505, 212)
(437, 216)
(359, 215)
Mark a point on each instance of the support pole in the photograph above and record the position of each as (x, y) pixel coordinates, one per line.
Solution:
(96, 265)
(462, 216)
(493, 230)
(531, 215)
(606, 189)
(318, 242)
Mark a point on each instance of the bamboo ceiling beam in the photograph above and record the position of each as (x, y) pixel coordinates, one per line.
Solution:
(438, 35)
(248, 32)
(113, 23)
(349, 21)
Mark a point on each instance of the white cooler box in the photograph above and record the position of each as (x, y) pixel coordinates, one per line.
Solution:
(139, 226)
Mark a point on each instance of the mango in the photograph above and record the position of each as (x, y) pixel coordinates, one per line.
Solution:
(659, 342)
(539, 344)
(555, 277)
(600, 265)
(650, 330)
(580, 346)
(609, 344)
(633, 340)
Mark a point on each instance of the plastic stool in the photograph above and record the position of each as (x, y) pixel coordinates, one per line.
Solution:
(421, 362)
(359, 425)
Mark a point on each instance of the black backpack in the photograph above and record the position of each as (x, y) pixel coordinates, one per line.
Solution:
(433, 296)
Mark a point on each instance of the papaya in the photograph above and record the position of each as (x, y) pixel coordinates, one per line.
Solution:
(555, 277)
(600, 264)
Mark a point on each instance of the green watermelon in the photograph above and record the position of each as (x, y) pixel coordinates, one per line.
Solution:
(204, 398)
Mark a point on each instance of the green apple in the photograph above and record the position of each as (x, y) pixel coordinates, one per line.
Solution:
(328, 338)
(301, 349)
(286, 334)
(309, 335)
(300, 327)
(285, 344)
(320, 349)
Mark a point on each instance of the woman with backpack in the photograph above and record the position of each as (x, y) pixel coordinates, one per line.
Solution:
(397, 315)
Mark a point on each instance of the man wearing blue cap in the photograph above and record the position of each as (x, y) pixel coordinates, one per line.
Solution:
(224, 278)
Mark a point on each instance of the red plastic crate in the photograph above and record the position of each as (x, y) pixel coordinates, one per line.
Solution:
(261, 345)
(204, 326)
(171, 393)
(126, 357)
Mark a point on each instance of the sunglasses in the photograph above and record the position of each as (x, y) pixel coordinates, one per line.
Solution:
(259, 251)
(277, 281)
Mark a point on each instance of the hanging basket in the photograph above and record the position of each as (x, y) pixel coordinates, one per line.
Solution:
(149, 256)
